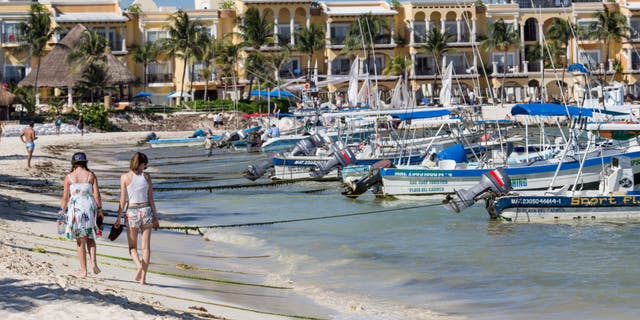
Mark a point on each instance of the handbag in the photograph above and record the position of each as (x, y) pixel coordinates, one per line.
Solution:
(115, 232)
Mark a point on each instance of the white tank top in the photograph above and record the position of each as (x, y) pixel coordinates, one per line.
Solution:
(138, 189)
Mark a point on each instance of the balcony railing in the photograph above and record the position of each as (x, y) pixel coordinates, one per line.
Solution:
(545, 3)
(12, 37)
(159, 77)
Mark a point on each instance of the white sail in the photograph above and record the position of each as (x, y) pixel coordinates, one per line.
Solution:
(364, 95)
(315, 73)
(445, 91)
(352, 93)
(396, 98)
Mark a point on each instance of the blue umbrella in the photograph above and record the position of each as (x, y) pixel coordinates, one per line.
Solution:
(281, 93)
(143, 94)
(255, 93)
(578, 67)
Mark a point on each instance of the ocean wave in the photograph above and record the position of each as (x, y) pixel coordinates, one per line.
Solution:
(236, 238)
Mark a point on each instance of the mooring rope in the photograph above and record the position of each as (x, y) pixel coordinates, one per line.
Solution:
(186, 229)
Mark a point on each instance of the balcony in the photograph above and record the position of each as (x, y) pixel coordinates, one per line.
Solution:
(12, 38)
(527, 4)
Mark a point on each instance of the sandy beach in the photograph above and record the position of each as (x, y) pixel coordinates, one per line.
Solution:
(37, 266)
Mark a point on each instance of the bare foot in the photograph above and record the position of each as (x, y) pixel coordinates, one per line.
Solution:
(82, 275)
(96, 270)
(139, 275)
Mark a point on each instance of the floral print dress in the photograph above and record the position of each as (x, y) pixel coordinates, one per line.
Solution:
(81, 211)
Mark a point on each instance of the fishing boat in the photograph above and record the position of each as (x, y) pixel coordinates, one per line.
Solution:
(530, 167)
(614, 199)
(199, 140)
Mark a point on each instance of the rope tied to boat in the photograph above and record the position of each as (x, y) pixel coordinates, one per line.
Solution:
(198, 229)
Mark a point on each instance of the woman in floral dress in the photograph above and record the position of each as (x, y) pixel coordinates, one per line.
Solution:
(81, 201)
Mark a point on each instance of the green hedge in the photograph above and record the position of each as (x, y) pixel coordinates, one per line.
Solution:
(246, 106)
(94, 115)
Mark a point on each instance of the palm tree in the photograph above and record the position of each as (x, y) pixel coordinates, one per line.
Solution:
(92, 48)
(398, 65)
(210, 51)
(36, 33)
(502, 37)
(277, 61)
(227, 62)
(145, 54)
(94, 78)
(610, 26)
(183, 35)
(202, 40)
(365, 33)
(562, 31)
(256, 32)
(437, 44)
(254, 66)
(309, 40)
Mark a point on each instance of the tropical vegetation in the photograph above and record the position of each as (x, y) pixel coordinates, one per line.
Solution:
(502, 37)
(436, 43)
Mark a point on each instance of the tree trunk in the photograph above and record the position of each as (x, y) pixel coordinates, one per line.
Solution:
(144, 77)
(184, 73)
(206, 87)
(435, 78)
(191, 75)
(35, 84)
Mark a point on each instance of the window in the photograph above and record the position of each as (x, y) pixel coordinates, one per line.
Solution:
(588, 25)
(425, 66)
(635, 60)
(459, 62)
(339, 32)
(341, 65)
(498, 58)
(451, 29)
(11, 32)
(590, 58)
(160, 72)
(635, 29)
(14, 73)
(115, 42)
(197, 72)
(419, 31)
(378, 67)
(155, 35)
(291, 69)
(284, 33)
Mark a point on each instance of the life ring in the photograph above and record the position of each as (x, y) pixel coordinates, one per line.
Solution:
(307, 86)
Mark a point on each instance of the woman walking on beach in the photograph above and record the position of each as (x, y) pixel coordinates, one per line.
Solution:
(141, 214)
(80, 124)
(81, 200)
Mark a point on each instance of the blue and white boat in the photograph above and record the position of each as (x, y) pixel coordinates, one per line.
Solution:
(530, 169)
(199, 140)
(614, 199)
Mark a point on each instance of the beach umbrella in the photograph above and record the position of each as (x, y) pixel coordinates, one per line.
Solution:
(281, 93)
(256, 93)
(578, 67)
(143, 94)
(6, 97)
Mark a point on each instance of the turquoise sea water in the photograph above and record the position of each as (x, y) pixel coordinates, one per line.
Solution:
(413, 263)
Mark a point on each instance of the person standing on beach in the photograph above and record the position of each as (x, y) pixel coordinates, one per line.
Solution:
(28, 137)
(83, 205)
(58, 125)
(80, 124)
(1, 129)
(141, 215)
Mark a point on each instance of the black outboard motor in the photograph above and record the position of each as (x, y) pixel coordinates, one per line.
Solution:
(151, 136)
(354, 188)
(258, 169)
(228, 137)
(496, 181)
(341, 157)
(307, 146)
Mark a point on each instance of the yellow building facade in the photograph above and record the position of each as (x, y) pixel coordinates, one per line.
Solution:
(467, 23)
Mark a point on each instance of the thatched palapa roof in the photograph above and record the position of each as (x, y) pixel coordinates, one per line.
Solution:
(56, 72)
(6, 97)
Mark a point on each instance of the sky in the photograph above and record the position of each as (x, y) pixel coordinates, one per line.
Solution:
(183, 4)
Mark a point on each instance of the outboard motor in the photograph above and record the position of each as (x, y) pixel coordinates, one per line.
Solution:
(257, 169)
(307, 146)
(355, 187)
(151, 136)
(342, 157)
(496, 181)
(228, 137)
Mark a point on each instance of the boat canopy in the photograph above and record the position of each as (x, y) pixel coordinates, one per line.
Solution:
(549, 110)
(406, 115)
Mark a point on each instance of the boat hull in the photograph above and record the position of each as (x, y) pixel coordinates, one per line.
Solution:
(557, 208)
(431, 181)
(180, 142)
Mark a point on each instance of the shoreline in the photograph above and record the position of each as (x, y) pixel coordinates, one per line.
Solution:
(37, 264)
